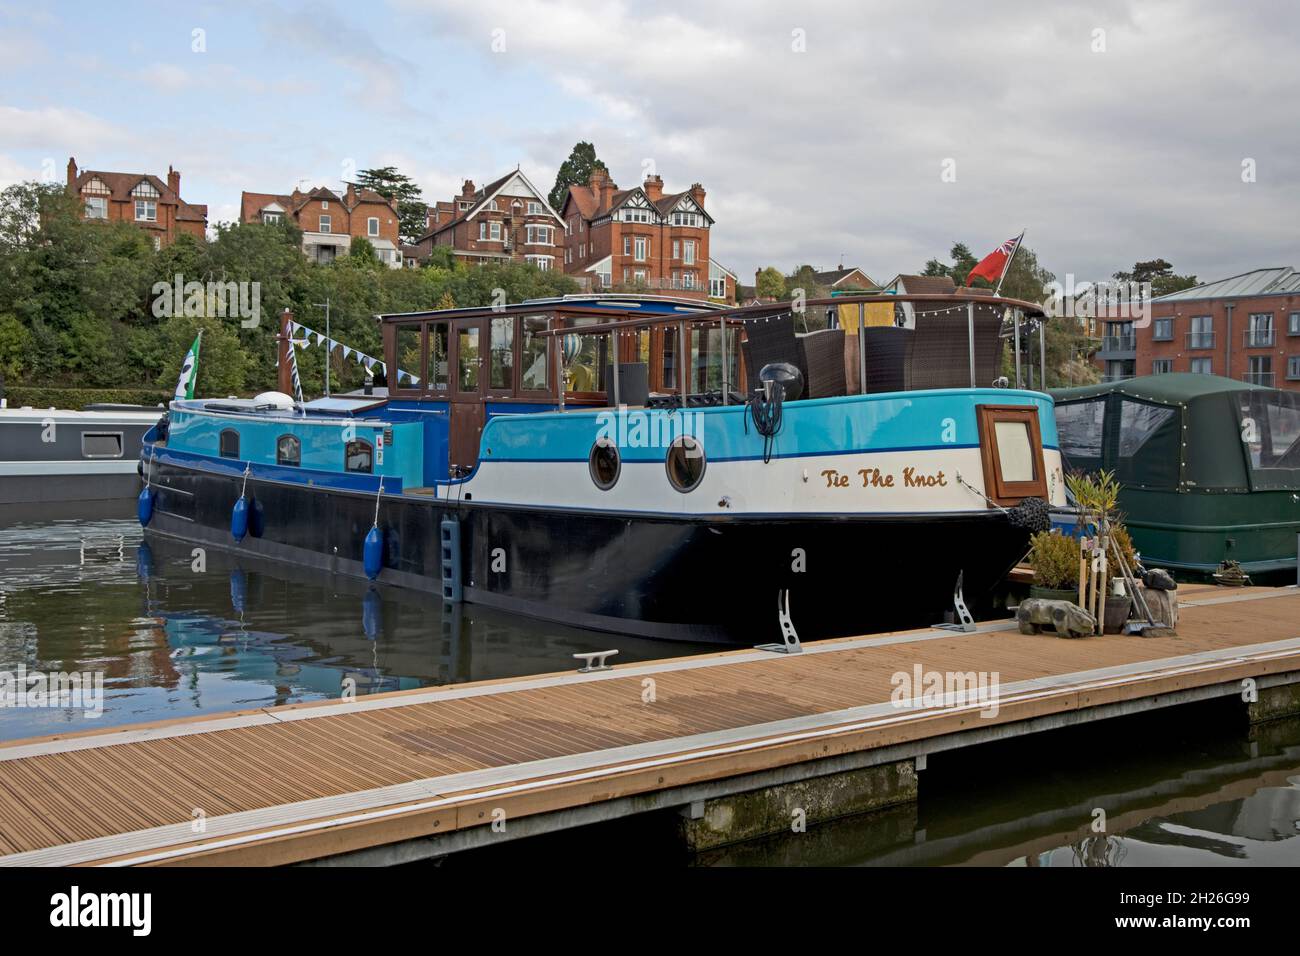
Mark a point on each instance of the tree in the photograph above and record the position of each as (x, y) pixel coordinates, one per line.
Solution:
(770, 284)
(574, 171)
(363, 249)
(962, 263)
(1160, 274)
(412, 210)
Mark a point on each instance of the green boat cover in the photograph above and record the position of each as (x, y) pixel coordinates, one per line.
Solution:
(1183, 432)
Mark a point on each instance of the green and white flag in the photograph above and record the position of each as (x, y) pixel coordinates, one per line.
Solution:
(189, 371)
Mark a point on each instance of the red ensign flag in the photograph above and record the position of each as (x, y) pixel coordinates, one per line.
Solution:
(994, 264)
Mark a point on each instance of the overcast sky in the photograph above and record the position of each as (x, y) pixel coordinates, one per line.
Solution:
(823, 132)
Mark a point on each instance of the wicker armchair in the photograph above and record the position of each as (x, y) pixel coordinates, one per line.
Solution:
(941, 351)
(768, 341)
(889, 358)
(821, 357)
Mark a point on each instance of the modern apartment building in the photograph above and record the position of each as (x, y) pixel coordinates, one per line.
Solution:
(1245, 327)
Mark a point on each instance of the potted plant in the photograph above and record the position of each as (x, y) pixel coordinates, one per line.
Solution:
(1055, 560)
(1098, 500)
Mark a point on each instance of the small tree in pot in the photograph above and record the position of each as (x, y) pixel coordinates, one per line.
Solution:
(1055, 560)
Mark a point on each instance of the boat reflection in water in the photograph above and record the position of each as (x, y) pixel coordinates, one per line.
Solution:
(177, 634)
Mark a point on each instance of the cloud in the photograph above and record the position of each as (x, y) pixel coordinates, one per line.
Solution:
(55, 129)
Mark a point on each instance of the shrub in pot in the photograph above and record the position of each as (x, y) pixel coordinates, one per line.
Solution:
(1055, 560)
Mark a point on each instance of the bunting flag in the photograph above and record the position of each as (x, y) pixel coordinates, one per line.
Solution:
(189, 371)
(349, 353)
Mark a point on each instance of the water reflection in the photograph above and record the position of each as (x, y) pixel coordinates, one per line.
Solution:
(175, 635)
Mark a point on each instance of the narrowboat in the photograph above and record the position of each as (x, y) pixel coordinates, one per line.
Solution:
(1209, 467)
(643, 465)
(61, 455)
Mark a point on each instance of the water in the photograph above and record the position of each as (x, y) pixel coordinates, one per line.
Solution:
(84, 591)
(81, 590)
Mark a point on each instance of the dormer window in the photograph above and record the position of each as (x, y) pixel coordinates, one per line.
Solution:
(462, 205)
(324, 203)
(270, 218)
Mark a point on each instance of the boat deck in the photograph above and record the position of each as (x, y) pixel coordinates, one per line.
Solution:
(311, 781)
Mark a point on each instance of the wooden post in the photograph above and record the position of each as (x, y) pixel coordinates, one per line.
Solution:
(284, 376)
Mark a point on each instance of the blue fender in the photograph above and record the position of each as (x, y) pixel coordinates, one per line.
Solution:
(239, 519)
(144, 506)
(372, 614)
(373, 553)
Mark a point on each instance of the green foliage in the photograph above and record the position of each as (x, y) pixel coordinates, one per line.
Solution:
(574, 171)
(770, 284)
(1160, 273)
(81, 397)
(412, 210)
(15, 346)
(1055, 560)
(363, 249)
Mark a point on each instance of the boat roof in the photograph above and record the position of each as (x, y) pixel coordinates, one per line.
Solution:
(1169, 388)
(610, 301)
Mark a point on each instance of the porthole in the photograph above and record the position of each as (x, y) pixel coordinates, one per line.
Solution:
(685, 463)
(604, 464)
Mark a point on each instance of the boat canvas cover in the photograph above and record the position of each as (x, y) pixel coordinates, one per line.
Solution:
(1182, 431)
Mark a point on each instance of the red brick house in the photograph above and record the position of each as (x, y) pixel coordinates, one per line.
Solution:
(140, 198)
(330, 221)
(640, 237)
(508, 220)
(1245, 327)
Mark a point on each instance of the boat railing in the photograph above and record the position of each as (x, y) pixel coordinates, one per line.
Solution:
(850, 310)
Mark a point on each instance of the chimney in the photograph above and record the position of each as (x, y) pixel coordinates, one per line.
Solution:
(174, 181)
(602, 186)
(654, 188)
(697, 193)
(72, 172)
(350, 197)
(467, 190)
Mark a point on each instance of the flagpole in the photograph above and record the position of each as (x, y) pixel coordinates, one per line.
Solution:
(1010, 259)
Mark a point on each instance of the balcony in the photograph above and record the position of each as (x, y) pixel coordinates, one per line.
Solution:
(1200, 340)
(1258, 378)
(1258, 338)
(1119, 343)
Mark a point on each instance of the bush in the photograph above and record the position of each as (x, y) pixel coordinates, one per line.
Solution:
(1055, 560)
(75, 398)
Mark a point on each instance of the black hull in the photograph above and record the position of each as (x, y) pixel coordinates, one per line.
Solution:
(711, 579)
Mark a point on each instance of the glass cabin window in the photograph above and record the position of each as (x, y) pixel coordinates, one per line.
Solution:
(229, 444)
(357, 457)
(502, 367)
(532, 354)
(288, 451)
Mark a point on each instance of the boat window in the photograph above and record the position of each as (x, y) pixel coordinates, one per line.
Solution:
(685, 463)
(532, 354)
(229, 444)
(502, 353)
(1148, 446)
(604, 464)
(467, 358)
(1011, 451)
(1270, 427)
(409, 358)
(288, 451)
(1080, 425)
(439, 338)
(584, 357)
(101, 444)
(357, 456)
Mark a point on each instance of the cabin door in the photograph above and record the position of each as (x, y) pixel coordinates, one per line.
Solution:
(466, 405)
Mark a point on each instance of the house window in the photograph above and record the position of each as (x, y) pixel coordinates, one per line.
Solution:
(463, 206)
(718, 287)
(96, 207)
(534, 208)
(636, 215)
(146, 210)
(677, 249)
(642, 249)
(582, 250)
(1293, 324)
(539, 235)
(272, 217)
(1293, 367)
(1202, 334)
(688, 280)
(288, 451)
(688, 252)
(1161, 366)
(489, 230)
(1260, 332)
(157, 243)
(372, 226)
(542, 262)
(228, 445)
(1163, 330)
(1261, 370)
(1203, 366)
(357, 456)
(686, 219)
(627, 245)
(493, 206)
(325, 224)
